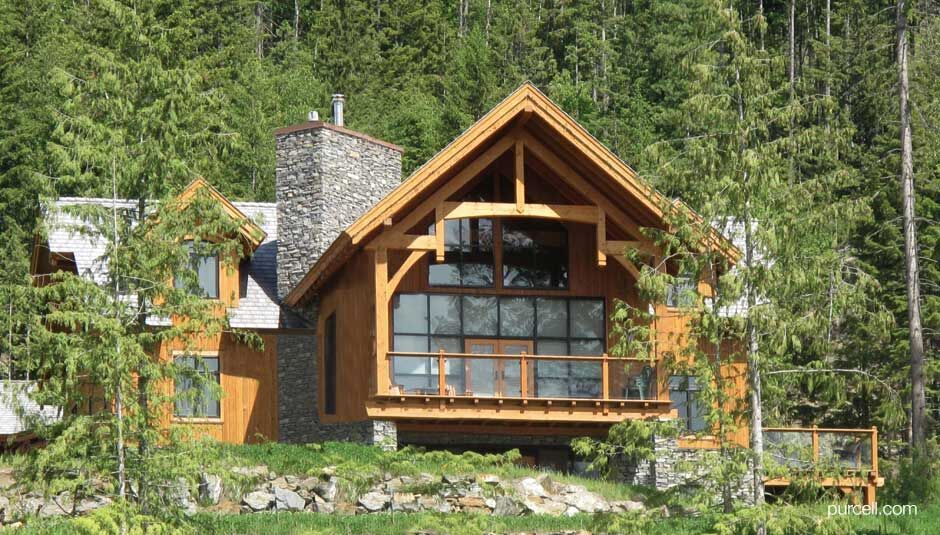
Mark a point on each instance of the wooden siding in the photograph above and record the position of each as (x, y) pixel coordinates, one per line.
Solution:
(351, 297)
(249, 384)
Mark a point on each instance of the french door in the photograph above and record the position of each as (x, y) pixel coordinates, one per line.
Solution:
(494, 376)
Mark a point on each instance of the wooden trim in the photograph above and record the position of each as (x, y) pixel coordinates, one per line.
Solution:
(413, 258)
(439, 234)
(520, 175)
(251, 234)
(601, 239)
(412, 242)
(556, 212)
(381, 320)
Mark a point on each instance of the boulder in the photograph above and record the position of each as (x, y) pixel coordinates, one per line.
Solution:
(281, 483)
(541, 506)
(471, 502)
(404, 502)
(179, 494)
(57, 505)
(327, 472)
(587, 502)
(549, 484)
(287, 500)
(259, 500)
(529, 486)
(328, 490)
(210, 488)
(508, 506)
(433, 503)
(88, 505)
(452, 479)
(374, 501)
(627, 506)
(251, 471)
(319, 505)
(488, 479)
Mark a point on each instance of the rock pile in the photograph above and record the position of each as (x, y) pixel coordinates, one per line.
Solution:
(482, 494)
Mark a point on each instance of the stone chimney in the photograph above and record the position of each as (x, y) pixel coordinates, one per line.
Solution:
(327, 176)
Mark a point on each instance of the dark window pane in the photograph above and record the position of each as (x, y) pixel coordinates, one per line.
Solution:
(468, 254)
(411, 344)
(329, 361)
(206, 268)
(551, 347)
(445, 314)
(587, 347)
(479, 316)
(410, 313)
(516, 317)
(587, 318)
(535, 254)
(553, 317)
(682, 293)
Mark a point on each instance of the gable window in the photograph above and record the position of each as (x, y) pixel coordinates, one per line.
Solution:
(683, 393)
(468, 254)
(206, 268)
(683, 292)
(329, 365)
(535, 254)
(197, 400)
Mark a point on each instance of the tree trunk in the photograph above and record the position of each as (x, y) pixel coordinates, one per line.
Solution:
(912, 272)
(296, 20)
(753, 365)
(827, 90)
(792, 47)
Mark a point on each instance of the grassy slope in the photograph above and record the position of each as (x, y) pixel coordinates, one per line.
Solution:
(361, 463)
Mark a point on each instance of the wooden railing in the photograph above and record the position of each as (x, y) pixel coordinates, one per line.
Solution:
(855, 456)
(518, 376)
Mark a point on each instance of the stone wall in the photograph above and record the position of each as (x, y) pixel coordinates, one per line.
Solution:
(679, 467)
(480, 439)
(326, 178)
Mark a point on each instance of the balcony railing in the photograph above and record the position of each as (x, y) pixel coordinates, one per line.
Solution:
(523, 376)
(805, 449)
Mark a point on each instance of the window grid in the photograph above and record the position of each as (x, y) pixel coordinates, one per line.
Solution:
(203, 404)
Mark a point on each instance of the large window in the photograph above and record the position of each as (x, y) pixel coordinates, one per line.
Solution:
(329, 365)
(683, 292)
(195, 396)
(683, 392)
(206, 268)
(556, 326)
(535, 254)
(468, 254)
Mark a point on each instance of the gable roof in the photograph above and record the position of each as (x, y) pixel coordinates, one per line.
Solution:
(520, 107)
(250, 233)
(258, 306)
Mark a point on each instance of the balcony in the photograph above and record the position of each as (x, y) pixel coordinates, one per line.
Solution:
(592, 389)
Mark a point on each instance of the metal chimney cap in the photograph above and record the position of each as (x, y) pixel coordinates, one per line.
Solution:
(338, 100)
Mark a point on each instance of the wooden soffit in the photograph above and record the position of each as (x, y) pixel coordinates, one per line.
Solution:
(525, 114)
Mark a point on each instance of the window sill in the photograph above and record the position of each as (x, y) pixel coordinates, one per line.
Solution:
(187, 420)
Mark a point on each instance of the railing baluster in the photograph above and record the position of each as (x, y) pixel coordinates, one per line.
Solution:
(523, 377)
(874, 450)
(441, 375)
(605, 377)
(815, 445)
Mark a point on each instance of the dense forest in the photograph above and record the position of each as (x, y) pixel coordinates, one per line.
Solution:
(158, 92)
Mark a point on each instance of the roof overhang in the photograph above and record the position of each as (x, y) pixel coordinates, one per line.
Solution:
(249, 233)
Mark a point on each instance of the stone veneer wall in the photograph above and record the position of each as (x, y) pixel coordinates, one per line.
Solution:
(326, 179)
(675, 467)
(458, 439)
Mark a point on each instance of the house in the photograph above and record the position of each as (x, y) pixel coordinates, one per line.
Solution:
(466, 307)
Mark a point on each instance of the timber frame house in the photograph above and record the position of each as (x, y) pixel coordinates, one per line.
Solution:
(468, 306)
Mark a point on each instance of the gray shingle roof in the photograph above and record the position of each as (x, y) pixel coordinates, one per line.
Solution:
(258, 306)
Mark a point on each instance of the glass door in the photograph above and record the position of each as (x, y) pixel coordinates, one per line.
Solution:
(510, 378)
(481, 373)
(495, 376)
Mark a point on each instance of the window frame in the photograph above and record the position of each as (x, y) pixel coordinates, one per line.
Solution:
(176, 355)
